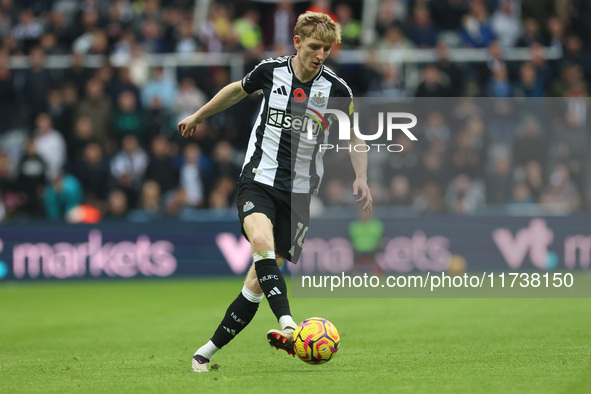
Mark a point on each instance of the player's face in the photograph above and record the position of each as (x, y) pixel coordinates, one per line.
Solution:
(312, 52)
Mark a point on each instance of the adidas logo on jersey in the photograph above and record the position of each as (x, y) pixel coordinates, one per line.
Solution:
(247, 206)
(281, 91)
(274, 291)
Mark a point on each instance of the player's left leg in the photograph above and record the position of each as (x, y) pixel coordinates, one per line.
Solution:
(267, 277)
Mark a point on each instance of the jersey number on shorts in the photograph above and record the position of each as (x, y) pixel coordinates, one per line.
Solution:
(298, 239)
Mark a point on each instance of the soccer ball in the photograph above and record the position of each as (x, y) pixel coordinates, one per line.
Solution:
(316, 340)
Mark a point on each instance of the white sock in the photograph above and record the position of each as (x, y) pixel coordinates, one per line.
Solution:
(287, 321)
(263, 255)
(207, 350)
(251, 296)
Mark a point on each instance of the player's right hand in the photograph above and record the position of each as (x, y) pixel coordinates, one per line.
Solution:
(188, 126)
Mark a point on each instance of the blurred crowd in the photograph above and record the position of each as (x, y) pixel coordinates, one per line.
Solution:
(88, 142)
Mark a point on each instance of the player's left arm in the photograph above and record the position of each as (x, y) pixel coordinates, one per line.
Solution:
(359, 161)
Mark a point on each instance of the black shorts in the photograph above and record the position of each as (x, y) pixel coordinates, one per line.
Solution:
(288, 212)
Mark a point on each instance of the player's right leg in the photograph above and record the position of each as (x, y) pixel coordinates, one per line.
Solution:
(240, 312)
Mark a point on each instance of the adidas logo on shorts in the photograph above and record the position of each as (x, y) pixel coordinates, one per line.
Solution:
(247, 206)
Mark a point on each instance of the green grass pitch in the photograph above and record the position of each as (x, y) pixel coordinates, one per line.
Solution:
(139, 336)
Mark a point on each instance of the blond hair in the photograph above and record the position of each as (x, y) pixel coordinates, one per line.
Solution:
(319, 26)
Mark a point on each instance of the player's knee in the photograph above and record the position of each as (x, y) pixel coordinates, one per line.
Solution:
(261, 242)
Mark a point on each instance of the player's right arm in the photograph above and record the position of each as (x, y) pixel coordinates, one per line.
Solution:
(225, 98)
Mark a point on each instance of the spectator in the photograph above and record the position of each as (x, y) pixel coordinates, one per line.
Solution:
(224, 161)
(97, 107)
(366, 233)
(432, 83)
(7, 94)
(544, 71)
(571, 74)
(100, 44)
(188, 98)
(83, 135)
(324, 7)
(530, 144)
(90, 23)
(495, 60)
(538, 10)
(27, 31)
(138, 66)
(190, 177)
(128, 119)
(187, 43)
(570, 139)
(351, 28)
(61, 118)
(429, 199)
(128, 167)
(123, 47)
(393, 38)
(248, 30)
(61, 195)
(436, 128)
(150, 200)
(561, 195)
(531, 33)
(506, 23)
(405, 162)
(465, 196)
(160, 167)
(400, 192)
(151, 38)
(431, 170)
(451, 73)
(37, 81)
(367, 77)
(574, 53)
(9, 198)
(529, 85)
(162, 86)
(31, 181)
(51, 46)
(217, 33)
(391, 13)
(467, 156)
(335, 194)
(556, 35)
(117, 205)
(499, 181)
(521, 194)
(58, 25)
(158, 119)
(50, 145)
(94, 175)
(499, 84)
(534, 178)
(447, 14)
(422, 31)
(123, 83)
(476, 30)
(280, 25)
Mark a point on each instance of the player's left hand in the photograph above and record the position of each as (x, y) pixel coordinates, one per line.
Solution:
(361, 185)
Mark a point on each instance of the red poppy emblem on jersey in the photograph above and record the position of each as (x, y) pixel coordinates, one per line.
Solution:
(299, 96)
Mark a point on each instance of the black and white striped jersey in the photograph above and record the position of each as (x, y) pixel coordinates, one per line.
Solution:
(279, 153)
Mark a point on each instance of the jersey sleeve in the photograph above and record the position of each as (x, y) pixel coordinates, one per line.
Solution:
(253, 81)
(346, 101)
